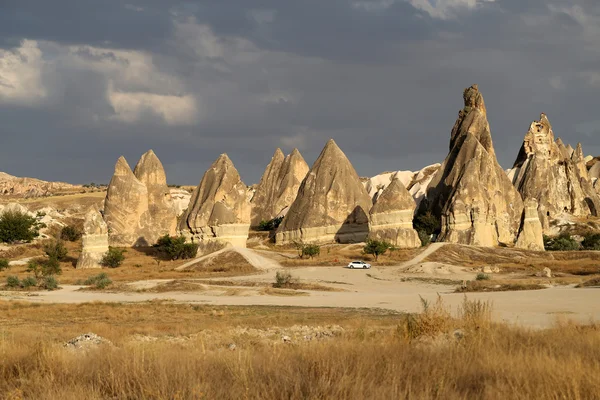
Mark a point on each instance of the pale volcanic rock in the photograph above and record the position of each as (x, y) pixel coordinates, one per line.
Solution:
(162, 213)
(471, 193)
(392, 217)
(262, 201)
(95, 241)
(543, 171)
(415, 182)
(181, 199)
(332, 203)
(594, 169)
(219, 208)
(126, 207)
(531, 235)
(31, 187)
(293, 172)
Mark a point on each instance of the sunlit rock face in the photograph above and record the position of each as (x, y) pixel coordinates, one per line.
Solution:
(531, 235)
(553, 174)
(219, 209)
(392, 217)
(94, 240)
(332, 204)
(472, 195)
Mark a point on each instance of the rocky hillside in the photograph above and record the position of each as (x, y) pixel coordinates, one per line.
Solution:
(31, 187)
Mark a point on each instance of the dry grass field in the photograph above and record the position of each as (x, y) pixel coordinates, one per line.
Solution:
(162, 350)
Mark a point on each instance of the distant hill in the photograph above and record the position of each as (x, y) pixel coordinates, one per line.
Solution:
(30, 187)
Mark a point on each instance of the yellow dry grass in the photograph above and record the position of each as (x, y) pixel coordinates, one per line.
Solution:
(378, 356)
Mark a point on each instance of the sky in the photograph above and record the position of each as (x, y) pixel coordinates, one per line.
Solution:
(83, 82)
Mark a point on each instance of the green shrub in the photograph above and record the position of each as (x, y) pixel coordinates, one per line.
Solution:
(70, 233)
(51, 267)
(424, 237)
(29, 282)
(270, 225)
(564, 242)
(311, 250)
(428, 223)
(35, 268)
(99, 281)
(4, 264)
(50, 283)
(283, 279)
(113, 258)
(591, 241)
(482, 277)
(175, 248)
(56, 250)
(16, 226)
(376, 247)
(13, 281)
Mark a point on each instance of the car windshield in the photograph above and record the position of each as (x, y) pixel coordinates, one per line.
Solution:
(357, 262)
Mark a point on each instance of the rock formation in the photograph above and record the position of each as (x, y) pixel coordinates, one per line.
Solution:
(471, 193)
(415, 182)
(278, 186)
(95, 241)
(332, 204)
(531, 236)
(138, 207)
(31, 187)
(392, 217)
(557, 177)
(219, 208)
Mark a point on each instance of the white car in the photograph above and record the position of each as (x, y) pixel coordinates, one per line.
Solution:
(359, 264)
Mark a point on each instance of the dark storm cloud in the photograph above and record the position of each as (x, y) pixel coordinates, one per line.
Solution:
(383, 78)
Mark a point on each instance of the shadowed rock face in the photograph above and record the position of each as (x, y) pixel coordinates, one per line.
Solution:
(392, 217)
(278, 186)
(95, 241)
(531, 236)
(332, 204)
(138, 207)
(553, 174)
(219, 208)
(471, 193)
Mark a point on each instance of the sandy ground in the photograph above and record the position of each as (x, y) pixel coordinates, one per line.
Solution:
(379, 287)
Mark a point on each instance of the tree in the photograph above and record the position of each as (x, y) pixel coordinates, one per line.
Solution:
(591, 241)
(174, 248)
(70, 233)
(376, 247)
(270, 225)
(113, 258)
(16, 226)
(311, 250)
(3, 264)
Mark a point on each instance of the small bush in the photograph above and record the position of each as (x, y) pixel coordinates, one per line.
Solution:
(4, 264)
(29, 282)
(270, 225)
(425, 238)
(311, 250)
(564, 242)
(376, 247)
(50, 283)
(70, 233)
(113, 258)
(283, 279)
(16, 226)
(482, 277)
(175, 248)
(13, 281)
(591, 241)
(51, 267)
(56, 249)
(99, 281)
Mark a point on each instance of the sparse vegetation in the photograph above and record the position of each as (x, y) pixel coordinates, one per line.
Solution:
(311, 250)
(28, 282)
(175, 248)
(4, 264)
(70, 233)
(283, 279)
(13, 281)
(591, 241)
(50, 283)
(113, 258)
(486, 286)
(56, 250)
(41, 268)
(16, 226)
(376, 247)
(563, 242)
(270, 225)
(100, 281)
(482, 277)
